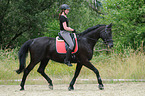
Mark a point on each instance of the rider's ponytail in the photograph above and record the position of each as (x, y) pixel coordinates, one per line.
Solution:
(60, 13)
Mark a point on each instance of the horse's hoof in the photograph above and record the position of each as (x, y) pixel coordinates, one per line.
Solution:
(21, 89)
(101, 86)
(18, 71)
(51, 87)
(70, 88)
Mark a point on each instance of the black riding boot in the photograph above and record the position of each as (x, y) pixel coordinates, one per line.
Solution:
(67, 59)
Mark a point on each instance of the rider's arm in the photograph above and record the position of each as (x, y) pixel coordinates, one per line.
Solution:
(67, 28)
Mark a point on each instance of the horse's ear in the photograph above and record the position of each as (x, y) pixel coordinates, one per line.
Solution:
(109, 26)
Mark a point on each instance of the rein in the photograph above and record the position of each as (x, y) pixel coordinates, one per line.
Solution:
(105, 41)
(92, 39)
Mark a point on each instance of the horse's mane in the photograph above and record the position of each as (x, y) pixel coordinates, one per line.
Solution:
(90, 29)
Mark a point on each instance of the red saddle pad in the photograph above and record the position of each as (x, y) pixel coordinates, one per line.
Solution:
(60, 46)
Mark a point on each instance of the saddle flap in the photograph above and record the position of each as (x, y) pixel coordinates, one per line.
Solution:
(61, 45)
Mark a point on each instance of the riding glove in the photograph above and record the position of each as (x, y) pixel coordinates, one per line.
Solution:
(74, 31)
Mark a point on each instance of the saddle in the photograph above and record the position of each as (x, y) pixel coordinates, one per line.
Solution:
(62, 46)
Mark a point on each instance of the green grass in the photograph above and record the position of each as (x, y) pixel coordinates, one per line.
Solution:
(121, 66)
(113, 66)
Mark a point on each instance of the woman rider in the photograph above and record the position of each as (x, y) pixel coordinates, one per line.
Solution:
(65, 31)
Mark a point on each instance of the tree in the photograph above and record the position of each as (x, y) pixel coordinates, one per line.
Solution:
(21, 20)
(18, 17)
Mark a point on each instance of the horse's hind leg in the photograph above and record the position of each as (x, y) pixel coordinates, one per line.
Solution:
(41, 69)
(26, 72)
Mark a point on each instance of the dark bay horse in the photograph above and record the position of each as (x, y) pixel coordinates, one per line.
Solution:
(43, 49)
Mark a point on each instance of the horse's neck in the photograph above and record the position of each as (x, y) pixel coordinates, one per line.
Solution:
(93, 35)
(90, 39)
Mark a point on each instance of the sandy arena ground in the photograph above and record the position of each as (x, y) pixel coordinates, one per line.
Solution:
(119, 89)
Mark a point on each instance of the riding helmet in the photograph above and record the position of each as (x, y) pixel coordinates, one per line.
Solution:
(64, 7)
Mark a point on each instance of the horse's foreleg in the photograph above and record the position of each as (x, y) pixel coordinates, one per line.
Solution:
(78, 68)
(26, 72)
(41, 71)
(95, 70)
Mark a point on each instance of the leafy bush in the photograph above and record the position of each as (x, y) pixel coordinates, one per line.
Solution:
(128, 20)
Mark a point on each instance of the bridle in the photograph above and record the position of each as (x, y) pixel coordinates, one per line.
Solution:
(107, 40)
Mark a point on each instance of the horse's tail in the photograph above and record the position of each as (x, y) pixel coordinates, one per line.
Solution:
(22, 55)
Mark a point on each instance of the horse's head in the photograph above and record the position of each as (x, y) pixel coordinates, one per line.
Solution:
(106, 35)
